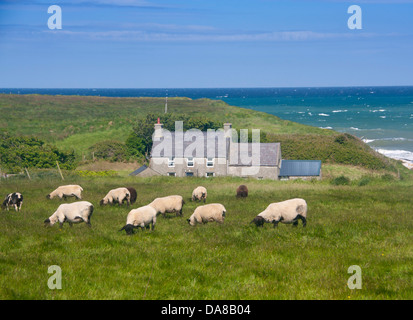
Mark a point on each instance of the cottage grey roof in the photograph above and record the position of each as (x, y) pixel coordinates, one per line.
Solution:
(197, 144)
(251, 154)
(137, 171)
(300, 168)
(214, 144)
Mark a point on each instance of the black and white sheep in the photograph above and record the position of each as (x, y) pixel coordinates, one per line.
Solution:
(74, 212)
(288, 211)
(173, 203)
(199, 194)
(118, 195)
(63, 192)
(208, 213)
(13, 199)
(142, 218)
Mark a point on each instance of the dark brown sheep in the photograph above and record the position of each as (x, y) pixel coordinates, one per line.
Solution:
(242, 191)
(133, 194)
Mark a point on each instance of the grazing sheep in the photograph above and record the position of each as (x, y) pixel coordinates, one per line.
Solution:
(289, 211)
(199, 194)
(13, 199)
(242, 191)
(133, 194)
(141, 217)
(208, 213)
(168, 204)
(75, 212)
(118, 195)
(66, 191)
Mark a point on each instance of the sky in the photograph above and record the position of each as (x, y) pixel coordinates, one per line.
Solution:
(205, 44)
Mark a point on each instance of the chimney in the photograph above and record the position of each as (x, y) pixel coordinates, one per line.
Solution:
(228, 130)
(158, 130)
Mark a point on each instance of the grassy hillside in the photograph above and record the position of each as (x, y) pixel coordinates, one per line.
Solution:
(78, 122)
(369, 226)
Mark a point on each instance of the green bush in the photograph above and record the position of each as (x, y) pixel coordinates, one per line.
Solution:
(364, 181)
(387, 177)
(341, 181)
(18, 152)
(110, 150)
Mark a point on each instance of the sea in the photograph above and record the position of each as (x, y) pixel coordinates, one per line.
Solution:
(381, 116)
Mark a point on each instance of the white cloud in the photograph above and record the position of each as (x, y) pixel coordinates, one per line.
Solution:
(279, 36)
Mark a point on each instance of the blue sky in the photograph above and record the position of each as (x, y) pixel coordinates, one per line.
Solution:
(205, 43)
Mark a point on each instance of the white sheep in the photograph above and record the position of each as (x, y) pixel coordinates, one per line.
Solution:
(168, 204)
(199, 193)
(66, 191)
(118, 195)
(208, 213)
(289, 211)
(141, 217)
(74, 212)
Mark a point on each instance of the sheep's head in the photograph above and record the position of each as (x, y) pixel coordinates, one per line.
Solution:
(48, 223)
(48, 196)
(191, 223)
(259, 221)
(128, 228)
(103, 201)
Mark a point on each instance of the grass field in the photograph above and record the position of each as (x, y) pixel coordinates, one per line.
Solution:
(369, 226)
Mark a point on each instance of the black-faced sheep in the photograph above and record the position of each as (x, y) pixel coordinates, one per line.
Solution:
(133, 194)
(289, 211)
(168, 204)
(140, 218)
(66, 191)
(242, 191)
(118, 195)
(13, 199)
(75, 212)
(208, 213)
(199, 194)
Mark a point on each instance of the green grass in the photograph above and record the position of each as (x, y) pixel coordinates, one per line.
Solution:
(369, 226)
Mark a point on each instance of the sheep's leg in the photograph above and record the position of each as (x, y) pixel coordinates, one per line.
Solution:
(304, 220)
(275, 222)
(15, 207)
(70, 224)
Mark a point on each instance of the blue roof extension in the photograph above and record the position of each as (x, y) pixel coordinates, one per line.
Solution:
(300, 168)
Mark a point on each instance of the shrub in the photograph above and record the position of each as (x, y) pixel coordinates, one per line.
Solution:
(18, 152)
(110, 150)
(387, 177)
(341, 181)
(364, 181)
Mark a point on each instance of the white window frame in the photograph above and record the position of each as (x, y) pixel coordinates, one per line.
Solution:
(171, 162)
(171, 174)
(210, 161)
(206, 174)
(188, 161)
